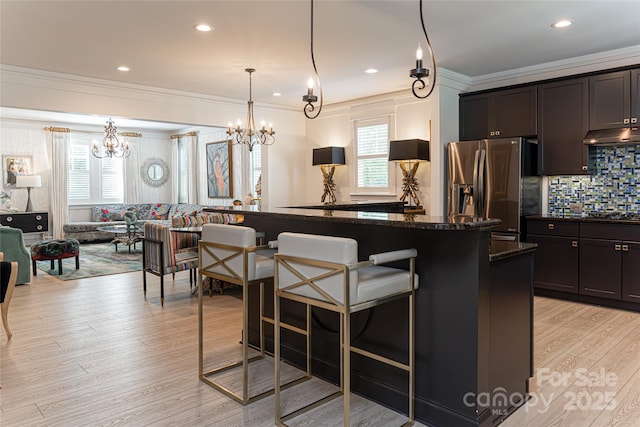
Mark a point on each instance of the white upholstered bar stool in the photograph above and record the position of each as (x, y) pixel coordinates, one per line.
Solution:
(229, 253)
(324, 271)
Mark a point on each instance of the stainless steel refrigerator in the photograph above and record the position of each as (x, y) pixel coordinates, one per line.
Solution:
(494, 178)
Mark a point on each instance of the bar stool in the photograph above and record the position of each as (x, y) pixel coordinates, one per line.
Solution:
(324, 272)
(229, 253)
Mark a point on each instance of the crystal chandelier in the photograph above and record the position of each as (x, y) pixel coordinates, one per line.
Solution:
(420, 74)
(250, 135)
(111, 146)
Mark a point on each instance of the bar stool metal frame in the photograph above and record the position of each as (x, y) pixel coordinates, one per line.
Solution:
(345, 310)
(235, 252)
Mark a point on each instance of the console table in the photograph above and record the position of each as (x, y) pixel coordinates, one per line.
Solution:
(28, 222)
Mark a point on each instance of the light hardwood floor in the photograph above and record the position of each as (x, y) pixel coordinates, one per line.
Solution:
(95, 352)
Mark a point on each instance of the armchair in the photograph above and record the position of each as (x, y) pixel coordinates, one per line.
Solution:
(162, 253)
(12, 244)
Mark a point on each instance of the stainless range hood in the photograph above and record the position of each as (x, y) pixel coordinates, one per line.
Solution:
(618, 136)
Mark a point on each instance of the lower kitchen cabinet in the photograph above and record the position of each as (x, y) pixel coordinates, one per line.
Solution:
(589, 261)
(556, 263)
(631, 271)
(601, 268)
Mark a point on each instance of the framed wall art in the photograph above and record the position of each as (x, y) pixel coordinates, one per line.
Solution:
(14, 165)
(219, 170)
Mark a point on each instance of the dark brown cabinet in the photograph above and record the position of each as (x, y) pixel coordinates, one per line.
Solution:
(497, 114)
(556, 264)
(563, 121)
(614, 100)
(631, 271)
(600, 268)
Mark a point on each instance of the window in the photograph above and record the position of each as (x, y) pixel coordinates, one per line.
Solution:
(92, 180)
(255, 160)
(372, 156)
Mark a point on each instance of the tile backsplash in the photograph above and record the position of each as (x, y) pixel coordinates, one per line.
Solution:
(615, 185)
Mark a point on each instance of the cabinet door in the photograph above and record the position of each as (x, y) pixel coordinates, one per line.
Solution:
(609, 100)
(476, 116)
(515, 113)
(556, 263)
(635, 97)
(631, 271)
(563, 119)
(601, 268)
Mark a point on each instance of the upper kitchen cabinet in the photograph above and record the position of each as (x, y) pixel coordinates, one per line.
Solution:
(614, 100)
(563, 120)
(497, 114)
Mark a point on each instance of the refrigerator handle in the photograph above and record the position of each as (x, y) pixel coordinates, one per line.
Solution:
(482, 205)
(475, 194)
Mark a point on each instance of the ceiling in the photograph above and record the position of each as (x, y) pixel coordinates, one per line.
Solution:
(157, 41)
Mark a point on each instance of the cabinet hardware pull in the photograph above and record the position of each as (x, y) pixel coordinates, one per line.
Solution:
(39, 227)
(625, 248)
(617, 247)
(574, 244)
(497, 133)
(492, 133)
(634, 120)
(9, 218)
(38, 217)
(625, 121)
(584, 168)
(551, 226)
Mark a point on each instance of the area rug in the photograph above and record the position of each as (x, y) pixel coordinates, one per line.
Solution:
(97, 259)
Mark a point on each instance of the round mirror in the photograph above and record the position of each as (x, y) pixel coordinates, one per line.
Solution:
(154, 172)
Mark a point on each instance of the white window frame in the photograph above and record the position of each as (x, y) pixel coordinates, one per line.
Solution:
(390, 189)
(183, 172)
(95, 175)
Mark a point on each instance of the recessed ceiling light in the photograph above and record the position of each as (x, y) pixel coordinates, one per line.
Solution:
(122, 68)
(203, 27)
(563, 23)
(370, 71)
(277, 94)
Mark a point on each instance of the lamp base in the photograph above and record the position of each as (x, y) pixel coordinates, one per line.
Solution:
(29, 207)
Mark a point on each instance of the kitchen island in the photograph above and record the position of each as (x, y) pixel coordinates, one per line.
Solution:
(473, 314)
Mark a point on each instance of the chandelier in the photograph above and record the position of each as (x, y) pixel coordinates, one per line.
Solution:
(250, 135)
(111, 146)
(310, 98)
(420, 74)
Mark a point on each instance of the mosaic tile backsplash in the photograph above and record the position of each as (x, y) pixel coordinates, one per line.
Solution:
(615, 185)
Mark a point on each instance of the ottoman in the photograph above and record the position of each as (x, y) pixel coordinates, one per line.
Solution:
(51, 250)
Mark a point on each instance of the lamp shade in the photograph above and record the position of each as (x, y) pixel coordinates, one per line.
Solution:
(409, 149)
(28, 181)
(328, 156)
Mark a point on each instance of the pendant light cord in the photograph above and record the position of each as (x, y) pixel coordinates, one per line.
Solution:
(310, 108)
(433, 59)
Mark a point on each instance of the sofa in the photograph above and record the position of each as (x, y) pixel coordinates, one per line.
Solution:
(12, 245)
(104, 215)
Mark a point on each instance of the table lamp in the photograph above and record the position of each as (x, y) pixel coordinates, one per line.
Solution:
(328, 158)
(409, 153)
(28, 182)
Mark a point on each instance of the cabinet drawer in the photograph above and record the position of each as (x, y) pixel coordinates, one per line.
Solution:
(28, 222)
(553, 228)
(629, 232)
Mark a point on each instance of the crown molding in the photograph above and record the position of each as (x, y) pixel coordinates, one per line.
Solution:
(566, 67)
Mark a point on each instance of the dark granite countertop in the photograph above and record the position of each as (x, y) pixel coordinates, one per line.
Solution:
(424, 222)
(580, 217)
(501, 249)
(395, 206)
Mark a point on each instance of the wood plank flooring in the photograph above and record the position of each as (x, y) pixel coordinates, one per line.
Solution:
(94, 352)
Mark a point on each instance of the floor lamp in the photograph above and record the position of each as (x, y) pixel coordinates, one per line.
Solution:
(328, 158)
(28, 182)
(409, 153)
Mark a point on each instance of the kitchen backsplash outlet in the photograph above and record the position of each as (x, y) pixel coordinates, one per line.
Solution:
(615, 186)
